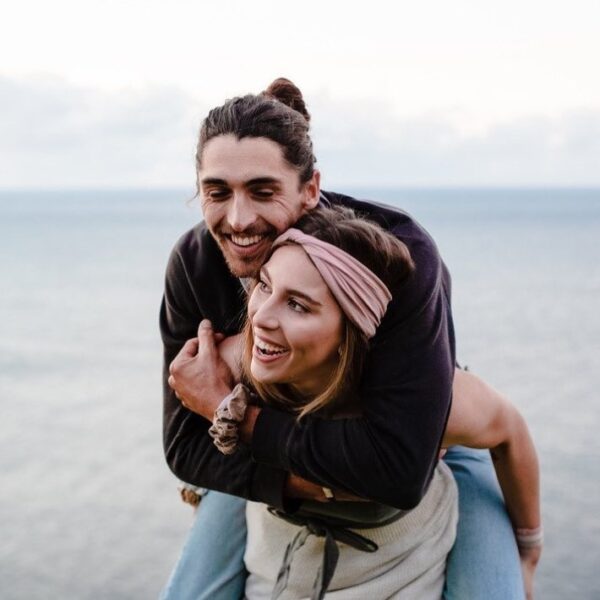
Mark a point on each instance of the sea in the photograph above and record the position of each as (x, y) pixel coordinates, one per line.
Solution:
(88, 507)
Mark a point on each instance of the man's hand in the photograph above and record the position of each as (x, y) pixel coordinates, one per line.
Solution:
(198, 375)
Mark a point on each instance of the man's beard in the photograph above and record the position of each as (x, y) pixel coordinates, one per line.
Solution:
(242, 266)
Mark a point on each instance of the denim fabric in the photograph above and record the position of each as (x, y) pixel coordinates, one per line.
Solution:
(483, 564)
(211, 564)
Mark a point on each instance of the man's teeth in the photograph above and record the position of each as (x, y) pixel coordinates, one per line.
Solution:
(269, 348)
(246, 240)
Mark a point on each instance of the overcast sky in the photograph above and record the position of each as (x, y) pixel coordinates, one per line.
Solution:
(111, 93)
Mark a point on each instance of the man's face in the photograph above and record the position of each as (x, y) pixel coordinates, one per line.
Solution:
(250, 194)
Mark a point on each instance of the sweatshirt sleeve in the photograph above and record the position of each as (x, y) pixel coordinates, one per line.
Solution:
(189, 450)
(388, 453)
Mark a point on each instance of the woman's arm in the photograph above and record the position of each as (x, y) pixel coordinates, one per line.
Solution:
(483, 418)
(230, 350)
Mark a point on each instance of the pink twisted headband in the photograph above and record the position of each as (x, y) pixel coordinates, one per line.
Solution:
(362, 296)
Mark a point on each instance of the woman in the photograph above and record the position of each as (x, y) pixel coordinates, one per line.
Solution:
(309, 319)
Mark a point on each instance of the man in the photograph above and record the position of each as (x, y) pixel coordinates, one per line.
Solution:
(256, 177)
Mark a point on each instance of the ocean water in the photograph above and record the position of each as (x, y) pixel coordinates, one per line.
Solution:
(88, 508)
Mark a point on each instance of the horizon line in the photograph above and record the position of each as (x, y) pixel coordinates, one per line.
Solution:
(358, 187)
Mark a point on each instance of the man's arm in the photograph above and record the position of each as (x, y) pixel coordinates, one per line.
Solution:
(389, 453)
(189, 450)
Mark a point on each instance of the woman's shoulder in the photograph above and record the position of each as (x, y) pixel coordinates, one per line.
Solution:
(230, 350)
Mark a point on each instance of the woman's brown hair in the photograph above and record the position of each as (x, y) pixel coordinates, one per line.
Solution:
(383, 254)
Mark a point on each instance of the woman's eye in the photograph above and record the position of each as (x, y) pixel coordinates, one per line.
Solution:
(296, 306)
(262, 286)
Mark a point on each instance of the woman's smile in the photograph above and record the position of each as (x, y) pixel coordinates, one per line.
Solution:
(268, 352)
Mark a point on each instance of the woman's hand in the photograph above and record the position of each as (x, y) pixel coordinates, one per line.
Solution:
(298, 487)
(529, 560)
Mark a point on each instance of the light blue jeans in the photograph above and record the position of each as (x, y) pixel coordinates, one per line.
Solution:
(483, 564)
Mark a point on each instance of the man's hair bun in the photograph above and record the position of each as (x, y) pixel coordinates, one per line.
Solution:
(285, 91)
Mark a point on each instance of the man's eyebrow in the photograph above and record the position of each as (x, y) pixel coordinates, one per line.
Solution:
(250, 182)
(262, 181)
(213, 181)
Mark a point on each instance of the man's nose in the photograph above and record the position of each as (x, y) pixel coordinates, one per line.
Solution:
(240, 214)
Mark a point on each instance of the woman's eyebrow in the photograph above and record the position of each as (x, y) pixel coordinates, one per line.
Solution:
(290, 291)
(304, 296)
(264, 272)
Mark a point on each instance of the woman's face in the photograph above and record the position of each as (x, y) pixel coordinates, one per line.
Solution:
(296, 323)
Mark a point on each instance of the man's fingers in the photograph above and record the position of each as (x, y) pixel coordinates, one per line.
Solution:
(205, 328)
(171, 382)
(206, 338)
(190, 348)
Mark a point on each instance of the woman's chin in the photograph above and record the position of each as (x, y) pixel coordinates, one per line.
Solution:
(269, 368)
(262, 373)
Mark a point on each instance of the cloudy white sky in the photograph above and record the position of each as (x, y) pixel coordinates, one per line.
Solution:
(111, 93)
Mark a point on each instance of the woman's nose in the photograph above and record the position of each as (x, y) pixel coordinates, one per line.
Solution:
(266, 315)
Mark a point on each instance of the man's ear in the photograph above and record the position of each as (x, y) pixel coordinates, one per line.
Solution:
(312, 191)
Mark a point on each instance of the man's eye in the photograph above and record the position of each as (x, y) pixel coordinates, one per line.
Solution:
(263, 194)
(218, 194)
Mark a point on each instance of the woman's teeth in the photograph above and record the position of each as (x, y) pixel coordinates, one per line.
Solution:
(246, 240)
(269, 349)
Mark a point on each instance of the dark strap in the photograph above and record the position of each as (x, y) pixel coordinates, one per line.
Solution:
(331, 553)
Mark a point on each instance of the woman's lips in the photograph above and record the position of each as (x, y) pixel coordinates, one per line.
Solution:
(267, 358)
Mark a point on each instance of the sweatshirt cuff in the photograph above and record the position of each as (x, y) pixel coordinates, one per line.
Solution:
(269, 439)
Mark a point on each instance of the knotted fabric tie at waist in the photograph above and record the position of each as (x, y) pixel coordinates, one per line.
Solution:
(332, 535)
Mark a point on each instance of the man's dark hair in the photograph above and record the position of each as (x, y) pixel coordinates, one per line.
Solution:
(279, 114)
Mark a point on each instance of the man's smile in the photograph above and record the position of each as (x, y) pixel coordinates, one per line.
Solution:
(245, 240)
(246, 246)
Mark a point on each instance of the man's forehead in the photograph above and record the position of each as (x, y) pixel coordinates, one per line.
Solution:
(241, 160)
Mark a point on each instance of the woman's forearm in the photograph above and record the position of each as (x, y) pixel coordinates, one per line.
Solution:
(517, 469)
(483, 418)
